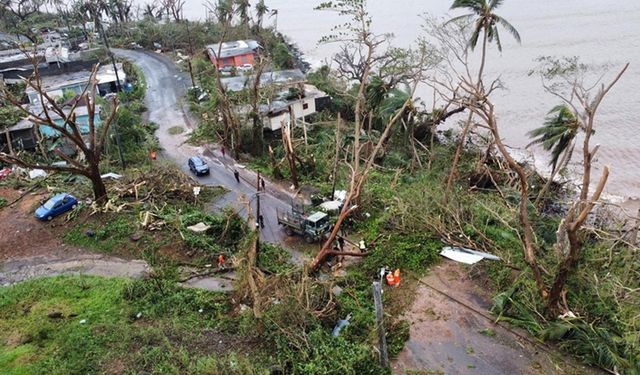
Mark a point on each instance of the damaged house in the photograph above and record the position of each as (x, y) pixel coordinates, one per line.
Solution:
(289, 94)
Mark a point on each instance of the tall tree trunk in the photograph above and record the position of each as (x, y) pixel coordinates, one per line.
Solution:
(456, 158)
(575, 247)
(99, 189)
(523, 212)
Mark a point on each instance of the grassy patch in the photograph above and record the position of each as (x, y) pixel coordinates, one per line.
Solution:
(170, 335)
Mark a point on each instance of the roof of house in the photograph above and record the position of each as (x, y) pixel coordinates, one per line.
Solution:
(235, 48)
(105, 74)
(280, 77)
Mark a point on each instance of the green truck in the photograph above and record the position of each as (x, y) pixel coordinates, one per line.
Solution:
(314, 227)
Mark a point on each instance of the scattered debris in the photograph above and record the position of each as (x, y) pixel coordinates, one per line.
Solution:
(340, 195)
(340, 325)
(83, 321)
(139, 315)
(331, 205)
(336, 290)
(90, 233)
(111, 175)
(36, 173)
(568, 314)
(4, 172)
(199, 228)
(467, 256)
(136, 236)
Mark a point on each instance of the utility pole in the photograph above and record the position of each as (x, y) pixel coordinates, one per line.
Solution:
(193, 82)
(382, 339)
(118, 89)
(335, 162)
(258, 220)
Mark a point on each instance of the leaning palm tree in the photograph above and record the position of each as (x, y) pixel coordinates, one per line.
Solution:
(484, 21)
(556, 135)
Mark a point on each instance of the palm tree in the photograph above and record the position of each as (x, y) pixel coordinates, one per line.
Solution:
(485, 21)
(242, 9)
(261, 10)
(224, 10)
(557, 135)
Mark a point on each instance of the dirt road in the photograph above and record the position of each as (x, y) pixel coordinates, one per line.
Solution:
(447, 337)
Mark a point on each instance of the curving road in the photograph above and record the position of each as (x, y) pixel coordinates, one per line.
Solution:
(166, 88)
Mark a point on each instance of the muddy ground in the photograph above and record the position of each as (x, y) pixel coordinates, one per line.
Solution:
(447, 337)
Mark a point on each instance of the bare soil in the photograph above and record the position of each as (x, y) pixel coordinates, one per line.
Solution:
(21, 234)
(447, 337)
(30, 248)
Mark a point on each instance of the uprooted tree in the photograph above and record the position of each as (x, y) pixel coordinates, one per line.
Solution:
(411, 67)
(89, 147)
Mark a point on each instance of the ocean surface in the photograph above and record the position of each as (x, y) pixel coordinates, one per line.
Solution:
(604, 34)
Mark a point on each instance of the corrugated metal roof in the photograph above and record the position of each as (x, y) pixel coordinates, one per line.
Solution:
(235, 48)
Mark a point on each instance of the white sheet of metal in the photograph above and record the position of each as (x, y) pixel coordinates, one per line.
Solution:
(460, 256)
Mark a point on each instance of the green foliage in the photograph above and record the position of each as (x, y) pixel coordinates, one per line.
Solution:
(340, 102)
(274, 259)
(225, 230)
(160, 341)
(9, 115)
(557, 134)
(281, 57)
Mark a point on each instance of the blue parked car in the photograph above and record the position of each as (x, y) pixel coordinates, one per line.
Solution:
(57, 205)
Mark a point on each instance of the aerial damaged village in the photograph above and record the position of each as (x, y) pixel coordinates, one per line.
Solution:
(345, 187)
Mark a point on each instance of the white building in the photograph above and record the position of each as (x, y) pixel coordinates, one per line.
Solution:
(290, 94)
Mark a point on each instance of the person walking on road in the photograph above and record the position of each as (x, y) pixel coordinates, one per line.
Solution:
(261, 221)
(341, 243)
(236, 174)
(222, 151)
(262, 184)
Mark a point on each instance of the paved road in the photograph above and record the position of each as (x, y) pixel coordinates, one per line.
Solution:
(166, 88)
(21, 269)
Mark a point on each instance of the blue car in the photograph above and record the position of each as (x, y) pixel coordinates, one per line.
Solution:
(57, 205)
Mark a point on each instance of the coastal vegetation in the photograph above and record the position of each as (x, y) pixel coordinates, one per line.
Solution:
(569, 272)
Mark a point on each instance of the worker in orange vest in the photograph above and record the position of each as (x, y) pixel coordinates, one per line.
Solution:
(220, 262)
